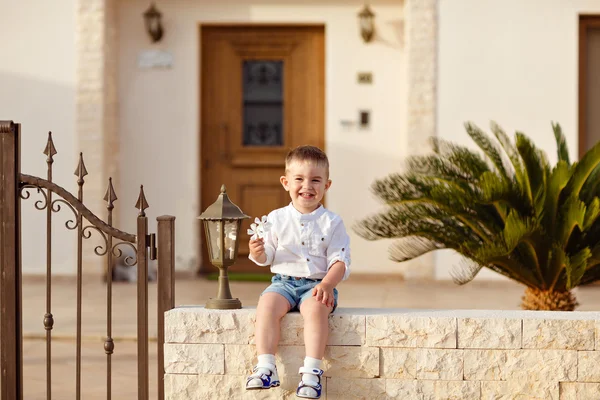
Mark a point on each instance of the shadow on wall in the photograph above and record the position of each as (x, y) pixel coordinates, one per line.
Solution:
(42, 106)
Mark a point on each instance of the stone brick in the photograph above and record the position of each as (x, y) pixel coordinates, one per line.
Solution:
(408, 331)
(489, 333)
(401, 389)
(543, 365)
(239, 359)
(510, 390)
(348, 389)
(199, 325)
(439, 364)
(579, 391)
(195, 359)
(398, 363)
(587, 367)
(448, 390)
(216, 387)
(558, 334)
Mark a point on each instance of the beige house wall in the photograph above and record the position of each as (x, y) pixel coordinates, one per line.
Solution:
(38, 90)
(514, 62)
(140, 126)
(159, 108)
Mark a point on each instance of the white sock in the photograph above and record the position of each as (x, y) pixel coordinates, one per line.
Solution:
(266, 359)
(310, 362)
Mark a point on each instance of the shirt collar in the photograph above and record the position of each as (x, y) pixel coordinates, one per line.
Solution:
(306, 217)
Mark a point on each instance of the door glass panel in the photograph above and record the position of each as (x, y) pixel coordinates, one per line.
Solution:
(263, 103)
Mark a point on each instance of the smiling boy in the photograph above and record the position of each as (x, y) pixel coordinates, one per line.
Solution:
(308, 250)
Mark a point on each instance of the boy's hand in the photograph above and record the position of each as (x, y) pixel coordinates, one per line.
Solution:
(323, 293)
(257, 250)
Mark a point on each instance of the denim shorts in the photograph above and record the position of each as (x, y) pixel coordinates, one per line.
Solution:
(295, 290)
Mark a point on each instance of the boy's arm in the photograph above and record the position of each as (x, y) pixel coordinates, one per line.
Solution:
(323, 292)
(335, 274)
(338, 251)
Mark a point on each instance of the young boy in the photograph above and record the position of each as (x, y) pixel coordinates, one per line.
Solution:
(308, 249)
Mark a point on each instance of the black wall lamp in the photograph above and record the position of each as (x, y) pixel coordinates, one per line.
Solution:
(366, 20)
(152, 19)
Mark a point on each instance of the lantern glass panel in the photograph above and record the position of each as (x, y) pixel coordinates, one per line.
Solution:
(213, 239)
(231, 234)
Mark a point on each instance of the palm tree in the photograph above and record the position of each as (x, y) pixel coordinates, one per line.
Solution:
(508, 211)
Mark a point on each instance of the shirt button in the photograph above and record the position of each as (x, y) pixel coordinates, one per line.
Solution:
(322, 239)
(343, 248)
(302, 224)
(307, 259)
(302, 243)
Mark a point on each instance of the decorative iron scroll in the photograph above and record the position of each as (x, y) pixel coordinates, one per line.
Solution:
(129, 260)
(24, 194)
(56, 208)
(98, 250)
(28, 181)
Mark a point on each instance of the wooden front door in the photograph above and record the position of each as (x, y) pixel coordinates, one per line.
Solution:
(589, 82)
(262, 94)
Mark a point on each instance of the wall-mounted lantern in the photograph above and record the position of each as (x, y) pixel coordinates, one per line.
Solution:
(366, 20)
(152, 20)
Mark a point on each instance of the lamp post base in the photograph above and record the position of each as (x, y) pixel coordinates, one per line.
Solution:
(223, 304)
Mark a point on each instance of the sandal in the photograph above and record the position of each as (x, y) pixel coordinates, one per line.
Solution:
(315, 386)
(260, 380)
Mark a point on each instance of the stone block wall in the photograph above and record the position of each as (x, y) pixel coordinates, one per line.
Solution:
(394, 354)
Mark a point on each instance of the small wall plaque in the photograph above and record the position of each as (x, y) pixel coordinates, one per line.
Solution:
(155, 59)
(365, 77)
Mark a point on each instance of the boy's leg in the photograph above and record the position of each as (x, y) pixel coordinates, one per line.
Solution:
(316, 332)
(271, 309)
(316, 326)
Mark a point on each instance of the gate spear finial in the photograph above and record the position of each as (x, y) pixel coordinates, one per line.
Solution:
(110, 197)
(80, 172)
(142, 204)
(50, 150)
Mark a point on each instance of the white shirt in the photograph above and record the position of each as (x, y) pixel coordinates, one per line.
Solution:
(305, 245)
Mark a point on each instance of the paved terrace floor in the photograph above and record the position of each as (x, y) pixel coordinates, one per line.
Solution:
(357, 292)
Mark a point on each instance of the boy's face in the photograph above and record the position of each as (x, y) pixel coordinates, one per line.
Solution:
(307, 183)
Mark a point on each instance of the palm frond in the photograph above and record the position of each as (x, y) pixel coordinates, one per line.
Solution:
(489, 148)
(411, 247)
(575, 267)
(561, 144)
(507, 210)
(583, 169)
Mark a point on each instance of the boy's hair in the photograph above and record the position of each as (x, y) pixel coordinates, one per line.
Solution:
(308, 153)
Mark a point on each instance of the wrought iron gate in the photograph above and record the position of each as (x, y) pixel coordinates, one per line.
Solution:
(15, 186)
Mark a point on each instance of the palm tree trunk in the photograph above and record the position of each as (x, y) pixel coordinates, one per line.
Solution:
(535, 299)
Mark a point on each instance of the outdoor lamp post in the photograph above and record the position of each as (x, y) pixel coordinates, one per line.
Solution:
(222, 221)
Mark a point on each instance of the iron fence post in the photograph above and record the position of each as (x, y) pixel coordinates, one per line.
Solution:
(142, 296)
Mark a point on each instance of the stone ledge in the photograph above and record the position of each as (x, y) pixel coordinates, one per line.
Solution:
(393, 354)
(399, 328)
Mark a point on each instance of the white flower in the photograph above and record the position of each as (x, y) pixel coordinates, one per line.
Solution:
(259, 228)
